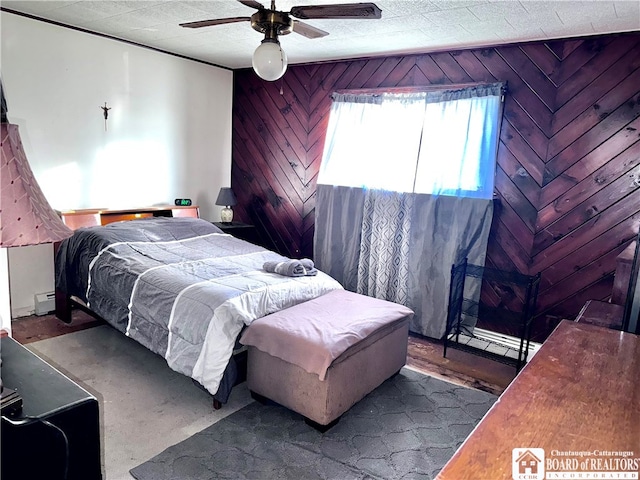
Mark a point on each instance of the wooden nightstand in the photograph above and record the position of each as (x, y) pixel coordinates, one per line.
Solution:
(240, 230)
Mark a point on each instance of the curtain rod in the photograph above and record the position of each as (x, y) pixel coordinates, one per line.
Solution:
(413, 89)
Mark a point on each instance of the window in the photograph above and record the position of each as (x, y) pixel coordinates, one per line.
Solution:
(441, 143)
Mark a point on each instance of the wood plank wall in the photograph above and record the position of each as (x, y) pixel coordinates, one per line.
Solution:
(567, 177)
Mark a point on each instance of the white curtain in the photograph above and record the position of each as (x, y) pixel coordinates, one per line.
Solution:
(373, 142)
(437, 143)
(410, 178)
(458, 145)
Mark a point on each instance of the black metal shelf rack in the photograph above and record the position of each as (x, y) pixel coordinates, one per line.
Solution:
(465, 306)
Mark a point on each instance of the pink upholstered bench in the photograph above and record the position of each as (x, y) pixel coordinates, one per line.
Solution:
(320, 357)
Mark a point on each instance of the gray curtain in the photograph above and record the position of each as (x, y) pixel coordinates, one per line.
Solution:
(442, 230)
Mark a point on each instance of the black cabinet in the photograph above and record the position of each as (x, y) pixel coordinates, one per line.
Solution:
(57, 433)
(240, 230)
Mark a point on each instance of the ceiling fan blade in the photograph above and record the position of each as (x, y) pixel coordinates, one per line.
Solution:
(252, 4)
(339, 10)
(216, 21)
(307, 30)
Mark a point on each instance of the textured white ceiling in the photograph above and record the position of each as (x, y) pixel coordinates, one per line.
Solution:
(407, 26)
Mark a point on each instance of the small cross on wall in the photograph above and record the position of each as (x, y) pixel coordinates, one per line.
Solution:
(105, 111)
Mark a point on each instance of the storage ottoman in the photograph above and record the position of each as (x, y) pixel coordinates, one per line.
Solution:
(320, 357)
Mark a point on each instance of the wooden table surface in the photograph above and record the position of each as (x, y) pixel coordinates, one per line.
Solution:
(579, 393)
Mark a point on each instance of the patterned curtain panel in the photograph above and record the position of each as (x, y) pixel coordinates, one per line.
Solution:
(383, 267)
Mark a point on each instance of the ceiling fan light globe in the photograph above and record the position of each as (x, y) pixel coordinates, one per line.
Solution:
(269, 61)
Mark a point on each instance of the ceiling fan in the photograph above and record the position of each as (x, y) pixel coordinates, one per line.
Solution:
(269, 60)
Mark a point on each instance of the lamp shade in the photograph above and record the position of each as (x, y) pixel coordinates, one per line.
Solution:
(26, 218)
(226, 197)
(269, 60)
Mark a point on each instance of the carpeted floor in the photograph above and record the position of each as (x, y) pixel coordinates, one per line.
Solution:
(409, 426)
(145, 406)
(423, 353)
(406, 429)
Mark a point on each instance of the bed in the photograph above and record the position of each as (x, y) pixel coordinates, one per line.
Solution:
(180, 287)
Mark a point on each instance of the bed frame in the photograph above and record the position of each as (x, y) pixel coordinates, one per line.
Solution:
(75, 219)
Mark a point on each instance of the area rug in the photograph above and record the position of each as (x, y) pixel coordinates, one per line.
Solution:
(405, 429)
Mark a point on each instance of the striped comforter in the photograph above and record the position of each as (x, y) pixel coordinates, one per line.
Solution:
(184, 290)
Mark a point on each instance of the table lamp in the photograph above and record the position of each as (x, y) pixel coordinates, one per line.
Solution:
(227, 199)
(26, 218)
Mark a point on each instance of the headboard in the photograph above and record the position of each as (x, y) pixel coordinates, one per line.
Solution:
(91, 217)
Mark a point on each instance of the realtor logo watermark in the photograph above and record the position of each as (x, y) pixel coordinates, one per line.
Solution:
(528, 463)
(536, 464)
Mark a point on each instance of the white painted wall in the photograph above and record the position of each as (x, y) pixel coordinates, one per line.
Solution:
(168, 133)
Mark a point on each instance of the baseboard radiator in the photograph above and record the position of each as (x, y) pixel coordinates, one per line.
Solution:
(44, 302)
